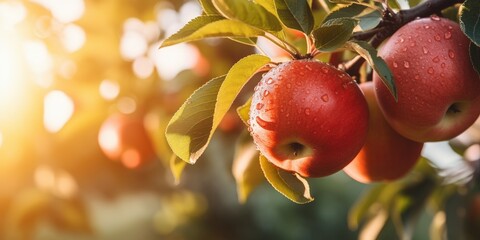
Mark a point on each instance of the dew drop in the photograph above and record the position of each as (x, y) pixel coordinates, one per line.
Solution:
(259, 106)
(402, 40)
(395, 65)
(308, 67)
(429, 40)
(417, 77)
(451, 54)
(443, 65)
(436, 59)
(426, 27)
(437, 38)
(425, 50)
(406, 64)
(325, 70)
(315, 119)
(412, 44)
(430, 70)
(265, 124)
(435, 18)
(269, 81)
(307, 111)
(450, 27)
(289, 85)
(325, 98)
(301, 73)
(265, 93)
(448, 35)
(404, 49)
(280, 77)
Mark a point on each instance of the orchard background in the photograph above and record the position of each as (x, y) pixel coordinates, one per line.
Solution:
(87, 93)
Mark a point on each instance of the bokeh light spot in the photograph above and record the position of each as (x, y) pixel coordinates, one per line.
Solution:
(73, 37)
(143, 67)
(109, 89)
(58, 109)
(127, 105)
(131, 158)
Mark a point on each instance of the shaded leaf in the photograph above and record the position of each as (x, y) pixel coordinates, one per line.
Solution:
(211, 26)
(246, 167)
(208, 7)
(470, 20)
(345, 1)
(349, 11)
(177, 166)
(192, 126)
(250, 13)
(291, 185)
(368, 52)
(334, 33)
(295, 14)
(370, 20)
(475, 56)
(361, 208)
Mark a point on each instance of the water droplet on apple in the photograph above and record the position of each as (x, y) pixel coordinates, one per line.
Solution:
(265, 124)
(450, 27)
(259, 106)
(402, 40)
(451, 54)
(429, 40)
(301, 73)
(417, 77)
(315, 119)
(426, 27)
(395, 65)
(425, 50)
(437, 38)
(436, 59)
(406, 64)
(442, 65)
(413, 44)
(280, 77)
(289, 85)
(404, 49)
(308, 67)
(430, 70)
(448, 35)
(307, 111)
(435, 18)
(269, 81)
(325, 98)
(265, 93)
(325, 70)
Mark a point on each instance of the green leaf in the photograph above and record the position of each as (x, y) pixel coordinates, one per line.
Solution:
(211, 26)
(291, 185)
(295, 14)
(345, 1)
(244, 111)
(176, 166)
(378, 64)
(208, 7)
(470, 20)
(361, 208)
(250, 13)
(246, 167)
(334, 33)
(246, 41)
(370, 20)
(349, 11)
(269, 5)
(475, 56)
(192, 126)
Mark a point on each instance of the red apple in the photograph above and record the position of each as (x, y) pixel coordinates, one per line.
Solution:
(308, 117)
(386, 154)
(124, 138)
(438, 88)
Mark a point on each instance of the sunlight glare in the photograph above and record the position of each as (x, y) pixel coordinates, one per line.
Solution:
(39, 61)
(171, 60)
(58, 109)
(109, 89)
(11, 74)
(64, 11)
(132, 45)
(11, 13)
(109, 139)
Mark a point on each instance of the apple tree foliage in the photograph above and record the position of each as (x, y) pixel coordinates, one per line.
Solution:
(351, 29)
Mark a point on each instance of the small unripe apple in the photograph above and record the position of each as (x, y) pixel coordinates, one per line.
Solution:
(308, 117)
(438, 88)
(386, 155)
(124, 138)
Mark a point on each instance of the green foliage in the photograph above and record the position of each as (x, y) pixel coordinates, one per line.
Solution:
(291, 185)
(475, 56)
(469, 20)
(212, 26)
(334, 33)
(193, 125)
(295, 14)
(370, 54)
(250, 13)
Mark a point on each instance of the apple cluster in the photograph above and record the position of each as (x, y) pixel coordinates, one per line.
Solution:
(310, 118)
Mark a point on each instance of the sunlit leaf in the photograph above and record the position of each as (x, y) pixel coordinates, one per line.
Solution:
(212, 26)
(177, 166)
(475, 56)
(246, 167)
(244, 110)
(378, 64)
(345, 1)
(470, 20)
(403, 4)
(208, 7)
(269, 5)
(334, 33)
(250, 13)
(349, 11)
(192, 126)
(246, 41)
(291, 185)
(295, 14)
